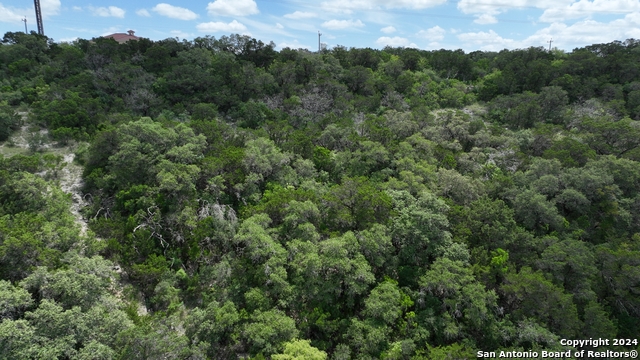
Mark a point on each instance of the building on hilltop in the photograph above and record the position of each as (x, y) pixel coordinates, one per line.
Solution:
(122, 37)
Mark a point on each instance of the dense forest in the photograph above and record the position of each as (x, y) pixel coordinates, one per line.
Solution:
(244, 202)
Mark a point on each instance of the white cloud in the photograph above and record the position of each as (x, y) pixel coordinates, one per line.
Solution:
(493, 8)
(586, 32)
(50, 7)
(294, 45)
(485, 19)
(395, 41)
(15, 15)
(218, 26)
(388, 29)
(347, 6)
(143, 12)
(6, 15)
(279, 26)
(435, 33)
(583, 8)
(233, 7)
(487, 41)
(564, 36)
(300, 15)
(342, 24)
(478, 7)
(174, 12)
(110, 30)
(111, 11)
(267, 30)
(180, 34)
(76, 8)
(68, 39)
(487, 10)
(410, 4)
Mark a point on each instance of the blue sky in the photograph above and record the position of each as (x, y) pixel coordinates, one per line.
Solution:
(426, 24)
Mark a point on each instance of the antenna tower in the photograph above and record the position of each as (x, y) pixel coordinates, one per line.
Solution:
(25, 24)
(39, 17)
(319, 47)
(550, 41)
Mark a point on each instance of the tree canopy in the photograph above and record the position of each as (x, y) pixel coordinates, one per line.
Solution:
(244, 202)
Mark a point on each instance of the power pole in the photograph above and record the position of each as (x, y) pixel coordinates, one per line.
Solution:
(319, 47)
(550, 41)
(25, 24)
(39, 17)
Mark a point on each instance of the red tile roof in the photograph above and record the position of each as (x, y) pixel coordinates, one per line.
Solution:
(122, 37)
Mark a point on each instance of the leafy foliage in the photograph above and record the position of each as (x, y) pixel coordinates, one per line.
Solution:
(352, 203)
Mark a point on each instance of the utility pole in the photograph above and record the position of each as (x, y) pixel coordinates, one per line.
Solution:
(319, 47)
(550, 41)
(36, 3)
(25, 25)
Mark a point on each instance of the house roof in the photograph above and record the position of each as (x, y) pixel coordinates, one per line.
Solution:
(122, 37)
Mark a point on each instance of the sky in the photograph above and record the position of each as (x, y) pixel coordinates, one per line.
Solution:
(488, 25)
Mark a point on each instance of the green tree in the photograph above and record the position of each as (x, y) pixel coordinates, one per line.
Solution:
(70, 110)
(462, 305)
(487, 223)
(216, 328)
(536, 213)
(36, 225)
(13, 301)
(9, 121)
(342, 263)
(520, 111)
(528, 294)
(619, 269)
(570, 152)
(572, 265)
(356, 204)
(612, 137)
(268, 332)
(358, 80)
(261, 260)
(419, 229)
(153, 341)
(386, 303)
(83, 283)
(300, 350)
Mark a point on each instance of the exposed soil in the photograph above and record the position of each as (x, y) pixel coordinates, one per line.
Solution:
(71, 183)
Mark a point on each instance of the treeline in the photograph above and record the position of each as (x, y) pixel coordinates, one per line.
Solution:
(351, 204)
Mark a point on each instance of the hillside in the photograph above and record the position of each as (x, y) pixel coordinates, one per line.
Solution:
(219, 199)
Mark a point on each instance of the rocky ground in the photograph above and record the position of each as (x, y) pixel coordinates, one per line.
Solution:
(69, 174)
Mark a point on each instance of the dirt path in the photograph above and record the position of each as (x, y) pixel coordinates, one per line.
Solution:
(71, 183)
